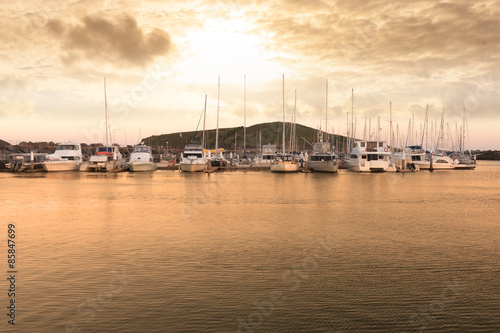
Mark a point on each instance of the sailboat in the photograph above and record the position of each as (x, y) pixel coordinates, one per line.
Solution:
(284, 162)
(108, 157)
(218, 160)
(323, 159)
(193, 159)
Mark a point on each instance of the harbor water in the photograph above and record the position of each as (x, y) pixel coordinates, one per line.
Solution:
(254, 251)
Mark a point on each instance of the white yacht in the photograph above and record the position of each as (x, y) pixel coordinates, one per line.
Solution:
(443, 162)
(141, 159)
(192, 160)
(107, 158)
(322, 159)
(371, 156)
(268, 155)
(67, 157)
(284, 162)
(413, 155)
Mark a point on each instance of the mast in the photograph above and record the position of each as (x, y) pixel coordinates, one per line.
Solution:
(369, 129)
(352, 118)
(413, 129)
(364, 131)
(217, 129)
(106, 116)
(463, 133)
(294, 122)
(283, 113)
(326, 112)
(244, 115)
(348, 136)
(378, 128)
(390, 124)
(204, 119)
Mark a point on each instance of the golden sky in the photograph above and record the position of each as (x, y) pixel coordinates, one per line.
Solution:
(160, 58)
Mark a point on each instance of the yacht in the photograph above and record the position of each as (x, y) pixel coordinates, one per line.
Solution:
(192, 160)
(141, 159)
(107, 158)
(413, 155)
(268, 155)
(322, 159)
(67, 157)
(443, 162)
(371, 156)
(284, 162)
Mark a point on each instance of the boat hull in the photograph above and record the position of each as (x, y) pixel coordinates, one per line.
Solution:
(141, 166)
(195, 167)
(285, 167)
(319, 166)
(372, 166)
(61, 166)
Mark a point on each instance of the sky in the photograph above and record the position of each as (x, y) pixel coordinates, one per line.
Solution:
(160, 59)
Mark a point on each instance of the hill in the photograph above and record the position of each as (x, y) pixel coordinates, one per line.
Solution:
(268, 132)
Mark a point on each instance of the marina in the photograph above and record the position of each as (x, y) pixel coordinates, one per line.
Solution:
(250, 166)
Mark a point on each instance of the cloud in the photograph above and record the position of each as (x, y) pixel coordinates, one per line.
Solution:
(112, 41)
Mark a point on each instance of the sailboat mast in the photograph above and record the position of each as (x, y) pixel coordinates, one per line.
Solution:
(326, 112)
(463, 132)
(106, 112)
(352, 118)
(217, 129)
(390, 124)
(244, 114)
(204, 119)
(294, 144)
(283, 113)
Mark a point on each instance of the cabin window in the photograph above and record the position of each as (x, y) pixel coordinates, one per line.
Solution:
(372, 157)
(380, 144)
(362, 144)
(354, 156)
(363, 157)
(193, 154)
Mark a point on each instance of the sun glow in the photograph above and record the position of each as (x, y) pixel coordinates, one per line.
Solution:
(231, 49)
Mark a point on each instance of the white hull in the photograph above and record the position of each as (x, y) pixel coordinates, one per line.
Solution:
(141, 166)
(372, 166)
(93, 167)
(322, 166)
(61, 166)
(285, 167)
(195, 167)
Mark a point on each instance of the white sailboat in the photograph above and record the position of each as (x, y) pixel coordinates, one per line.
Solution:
(284, 162)
(67, 157)
(108, 157)
(323, 159)
(218, 159)
(193, 159)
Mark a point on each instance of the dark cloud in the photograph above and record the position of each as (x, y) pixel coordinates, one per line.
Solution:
(118, 41)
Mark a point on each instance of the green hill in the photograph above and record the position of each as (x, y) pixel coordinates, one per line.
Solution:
(269, 132)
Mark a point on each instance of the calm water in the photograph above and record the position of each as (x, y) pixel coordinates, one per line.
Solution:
(254, 252)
